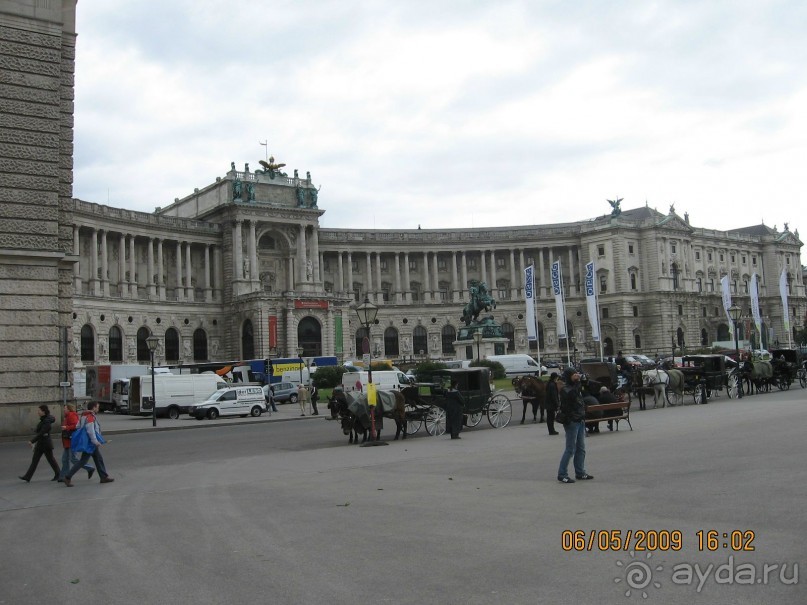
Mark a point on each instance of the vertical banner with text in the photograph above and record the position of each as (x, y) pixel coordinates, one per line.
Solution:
(591, 303)
(557, 289)
(755, 307)
(529, 296)
(726, 292)
(783, 294)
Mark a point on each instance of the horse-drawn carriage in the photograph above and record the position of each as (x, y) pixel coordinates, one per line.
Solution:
(704, 375)
(474, 386)
(604, 373)
(785, 367)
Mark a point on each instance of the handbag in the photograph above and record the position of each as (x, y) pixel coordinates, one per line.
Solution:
(80, 441)
(561, 418)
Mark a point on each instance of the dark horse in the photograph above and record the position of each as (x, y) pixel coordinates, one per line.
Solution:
(537, 389)
(479, 301)
(354, 414)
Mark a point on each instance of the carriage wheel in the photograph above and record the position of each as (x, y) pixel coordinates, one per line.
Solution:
(697, 395)
(436, 421)
(413, 420)
(472, 420)
(731, 387)
(673, 396)
(500, 411)
(782, 383)
(803, 379)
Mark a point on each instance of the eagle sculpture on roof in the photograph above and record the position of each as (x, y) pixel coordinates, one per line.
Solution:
(270, 168)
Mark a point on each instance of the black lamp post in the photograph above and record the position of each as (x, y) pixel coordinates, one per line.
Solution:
(736, 313)
(367, 313)
(478, 340)
(152, 342)
(300, 352)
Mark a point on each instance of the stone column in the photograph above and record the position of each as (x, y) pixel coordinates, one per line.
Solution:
(179, 291)
(291, 333)
(541, 273)
(407, 282)
(398, 297)
(317, 274)
(150, 268)
(132, 267)
(513, 282)
(123, 284)
(349, 288)
(238, 262)
(290, 269)
(253, 254)
(76, 266)
(208, 290)
(455, 295)
(189, 291)
(380, 289)
(104, 265)
(340, 272)
(484, 267)
(492, 282)
(95, 287)
(572, 286)
(464, 288)
(160, 271)
(218, 273)
(427, 295)
(301, 256)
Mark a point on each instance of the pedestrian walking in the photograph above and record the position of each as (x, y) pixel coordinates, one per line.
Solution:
(269, 395)
(552, 402)
(314, 399)
(89, 421)
(69, 456)
(42, 445)
(454, 406)
(302, 396)
(573, 418)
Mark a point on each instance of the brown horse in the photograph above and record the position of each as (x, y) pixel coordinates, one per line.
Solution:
(537, 389)
(354, 414)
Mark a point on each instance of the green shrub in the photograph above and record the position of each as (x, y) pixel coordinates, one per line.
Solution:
(327, 377)
(496, 369)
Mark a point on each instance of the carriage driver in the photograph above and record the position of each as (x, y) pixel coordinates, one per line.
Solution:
(454, 406)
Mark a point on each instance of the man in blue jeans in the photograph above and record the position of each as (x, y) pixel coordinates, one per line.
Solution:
(574, 410)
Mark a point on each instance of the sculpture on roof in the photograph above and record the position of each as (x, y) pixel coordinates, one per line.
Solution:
(672, 208)
(787, 226)
(270, 168)
(615, 209)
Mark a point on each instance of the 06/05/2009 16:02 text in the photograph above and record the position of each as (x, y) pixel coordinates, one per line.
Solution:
(655, 540)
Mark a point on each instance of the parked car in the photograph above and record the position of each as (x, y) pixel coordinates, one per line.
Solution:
(284, 392)
(231, 401)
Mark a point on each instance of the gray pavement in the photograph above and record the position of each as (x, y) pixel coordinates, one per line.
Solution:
(427, 520)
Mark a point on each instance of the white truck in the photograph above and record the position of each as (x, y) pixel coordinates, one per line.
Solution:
(174, 394)
(100, 380)
(385, 380)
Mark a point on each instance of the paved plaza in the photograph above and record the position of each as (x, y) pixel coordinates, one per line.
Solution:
(427, 520)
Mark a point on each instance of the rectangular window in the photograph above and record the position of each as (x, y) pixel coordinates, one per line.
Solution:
(716, 312)
(680, 309)
(600, 250)
(630, 248)
(443, 295)
(603, 284)
(709, 257)
(721, 258)
(355, 265)
(501, 263)
(672, 248)
(604, 313)
(326, 266)
(743, 259)
(754, 260)
(700, 284)
(472, 263)
(732, 258)
(441, 264)
(703, 310)
(787, 259)
(697, 255)
(635, 311)
(413, 265)
(385, 293)
(711, 285)
(383, 265)
(746, 287)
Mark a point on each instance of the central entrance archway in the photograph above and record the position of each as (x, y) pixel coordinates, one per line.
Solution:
(309, 337)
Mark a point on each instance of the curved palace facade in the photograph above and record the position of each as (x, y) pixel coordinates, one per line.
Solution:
(242, 269)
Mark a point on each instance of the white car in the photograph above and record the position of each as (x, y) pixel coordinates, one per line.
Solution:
(232, 401)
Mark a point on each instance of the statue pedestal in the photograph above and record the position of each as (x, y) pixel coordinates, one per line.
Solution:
(467, 349)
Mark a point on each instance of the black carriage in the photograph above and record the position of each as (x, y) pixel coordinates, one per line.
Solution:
(704, 375)
(605, 373)
(474, 385)
(785, 366)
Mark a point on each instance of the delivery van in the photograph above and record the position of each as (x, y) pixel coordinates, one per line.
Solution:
(232, 401)
(174, 393)
(384, 380)
(518, 364)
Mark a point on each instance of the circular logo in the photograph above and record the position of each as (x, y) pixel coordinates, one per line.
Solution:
(638, 575)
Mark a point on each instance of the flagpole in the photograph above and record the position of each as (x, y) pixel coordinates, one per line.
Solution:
(535, 320)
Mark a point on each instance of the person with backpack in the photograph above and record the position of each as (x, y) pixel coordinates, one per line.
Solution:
(89, 422)
(69, 456)
(42, 445)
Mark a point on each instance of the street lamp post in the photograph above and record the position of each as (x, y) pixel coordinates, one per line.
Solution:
(300, 352)
(736, 313)
(152, 342)
(367, 313)
(478, 340)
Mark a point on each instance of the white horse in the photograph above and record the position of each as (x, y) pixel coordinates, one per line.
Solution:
(658, 380)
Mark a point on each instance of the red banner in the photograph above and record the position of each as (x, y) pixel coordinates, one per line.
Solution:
(272, 330)
(310, 304)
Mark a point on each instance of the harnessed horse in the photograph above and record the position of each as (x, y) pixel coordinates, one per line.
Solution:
(537, 388)
(354, 414)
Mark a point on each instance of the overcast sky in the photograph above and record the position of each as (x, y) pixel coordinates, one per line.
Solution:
(452, 113)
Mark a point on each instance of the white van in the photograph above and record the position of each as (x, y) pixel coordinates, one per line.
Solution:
(385, 380)
(518, 364)
(174, 393)
(232, 401)
(294, 376)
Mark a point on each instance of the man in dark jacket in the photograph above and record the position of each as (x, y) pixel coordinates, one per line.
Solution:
(454, 406)
(42, 445)
(574, 410)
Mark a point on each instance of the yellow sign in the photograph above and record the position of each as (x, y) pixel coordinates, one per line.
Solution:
(371, 394)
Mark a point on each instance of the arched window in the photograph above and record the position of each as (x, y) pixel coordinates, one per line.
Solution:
(704, 337)
(391, 342)
(632, 281)
(637, 341)
(674, 271)
(361, 334)
(679, 334)
(199, 345)
(420, 340)
(608, 347)
(171, 345)
(142, 346)
(87, 343)
(510, 334)
(247, 340)
(540, 343)
(309, 337)
(115, 344)
(449, 335)
(723, 332)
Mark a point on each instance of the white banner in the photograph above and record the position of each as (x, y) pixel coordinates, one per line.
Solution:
(591, 303)
(755, 307)
(529, 296)
(557, 289)
(783, 294)
(726, 291)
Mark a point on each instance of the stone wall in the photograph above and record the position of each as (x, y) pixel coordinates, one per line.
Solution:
(37, 44)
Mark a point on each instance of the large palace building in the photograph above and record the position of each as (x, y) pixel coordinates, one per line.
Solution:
(242, 269)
